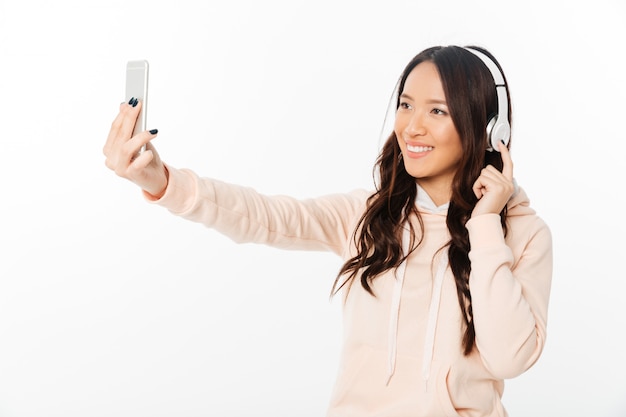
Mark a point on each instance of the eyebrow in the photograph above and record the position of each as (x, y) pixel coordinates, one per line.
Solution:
(429, 101)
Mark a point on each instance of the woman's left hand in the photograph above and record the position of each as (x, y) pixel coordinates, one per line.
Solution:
(494, 188)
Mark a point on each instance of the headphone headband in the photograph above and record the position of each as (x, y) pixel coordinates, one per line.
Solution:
(498, 127)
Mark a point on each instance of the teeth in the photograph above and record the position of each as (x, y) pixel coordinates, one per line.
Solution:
(419, 148)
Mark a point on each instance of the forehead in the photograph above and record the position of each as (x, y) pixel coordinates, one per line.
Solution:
(424, 81)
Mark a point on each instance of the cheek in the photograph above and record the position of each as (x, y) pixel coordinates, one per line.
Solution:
(448, 134)
(456, 151)
(397, 131)
(450, 138)
(401, 146)
(398, 127)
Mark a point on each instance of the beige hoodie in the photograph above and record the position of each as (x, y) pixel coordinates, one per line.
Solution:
(401, 353)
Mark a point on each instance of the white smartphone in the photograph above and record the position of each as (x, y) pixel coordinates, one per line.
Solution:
(137, 87)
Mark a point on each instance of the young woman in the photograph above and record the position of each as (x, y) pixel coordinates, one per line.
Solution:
(447, 269)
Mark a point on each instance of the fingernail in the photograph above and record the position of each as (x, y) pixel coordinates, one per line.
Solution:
(502, 140)
(130, 102)
(135, 102)
(154, 131)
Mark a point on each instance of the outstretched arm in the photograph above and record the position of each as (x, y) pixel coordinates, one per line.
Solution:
(246, 216)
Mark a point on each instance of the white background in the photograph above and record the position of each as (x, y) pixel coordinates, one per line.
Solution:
(111, 306)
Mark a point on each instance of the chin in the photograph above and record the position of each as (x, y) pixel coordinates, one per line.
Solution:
(414, 172)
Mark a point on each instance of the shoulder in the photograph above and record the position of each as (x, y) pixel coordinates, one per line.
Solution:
(524, 223)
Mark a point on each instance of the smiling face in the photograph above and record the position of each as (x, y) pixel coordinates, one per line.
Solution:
(431, 146)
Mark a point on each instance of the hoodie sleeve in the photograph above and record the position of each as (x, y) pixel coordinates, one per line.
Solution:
(510, 288)
(246, 216)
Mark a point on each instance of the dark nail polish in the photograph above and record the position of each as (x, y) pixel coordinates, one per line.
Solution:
(154, 131)
(135, 102)
(502, 140)
(130, 102)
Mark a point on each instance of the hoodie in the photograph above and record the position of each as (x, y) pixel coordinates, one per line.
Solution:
(402, 353)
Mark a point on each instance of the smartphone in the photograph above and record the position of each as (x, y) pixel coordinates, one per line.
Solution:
(137, 87)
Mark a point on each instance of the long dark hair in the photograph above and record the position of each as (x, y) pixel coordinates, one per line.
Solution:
(471, 97)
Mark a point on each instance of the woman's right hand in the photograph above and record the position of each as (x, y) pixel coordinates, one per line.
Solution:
(122, 153)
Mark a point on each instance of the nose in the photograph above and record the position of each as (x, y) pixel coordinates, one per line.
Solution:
(415, 125)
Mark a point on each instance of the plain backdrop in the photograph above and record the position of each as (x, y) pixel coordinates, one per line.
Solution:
(111, 306)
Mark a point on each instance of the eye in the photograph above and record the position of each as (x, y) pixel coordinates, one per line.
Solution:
(404, 105)
(439, 112)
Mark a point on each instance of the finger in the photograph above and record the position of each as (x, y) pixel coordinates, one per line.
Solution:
(113, 131)
(129, 151)
(507, 162)
(131, 112)
(142, 161)
(490, 171)
(478, 188)
(123, 125)
(150, 147)
(121, 157)
(489, 175)
(134, 144)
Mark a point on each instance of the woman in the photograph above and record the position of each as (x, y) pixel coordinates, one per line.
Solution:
(447, 269)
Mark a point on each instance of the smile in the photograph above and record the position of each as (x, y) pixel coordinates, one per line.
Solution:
(418, 149)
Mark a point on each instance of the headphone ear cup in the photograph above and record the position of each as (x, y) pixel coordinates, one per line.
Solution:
(497, 131)
(490, 125)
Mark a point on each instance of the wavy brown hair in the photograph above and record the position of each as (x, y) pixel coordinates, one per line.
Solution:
(471, 97)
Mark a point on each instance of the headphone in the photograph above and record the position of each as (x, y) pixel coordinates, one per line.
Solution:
(498, 128)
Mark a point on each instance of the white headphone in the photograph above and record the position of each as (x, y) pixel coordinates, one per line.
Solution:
(498, 128)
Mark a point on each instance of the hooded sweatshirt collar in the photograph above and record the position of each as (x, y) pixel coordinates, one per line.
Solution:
(424, 202)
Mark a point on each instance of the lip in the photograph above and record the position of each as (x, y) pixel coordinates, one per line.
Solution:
(426, 149)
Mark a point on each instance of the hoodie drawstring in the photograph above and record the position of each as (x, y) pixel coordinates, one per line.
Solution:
(433, 315)
(433, 312)
(394, 313)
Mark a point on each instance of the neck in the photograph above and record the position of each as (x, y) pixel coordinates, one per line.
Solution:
(439, 194)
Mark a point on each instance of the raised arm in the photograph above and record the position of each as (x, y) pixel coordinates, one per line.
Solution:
(510, 287)
(510, 279)
(122, 152)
